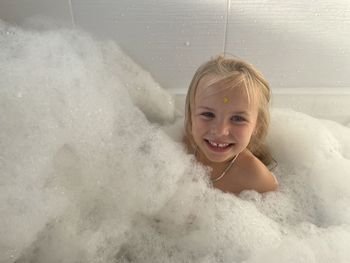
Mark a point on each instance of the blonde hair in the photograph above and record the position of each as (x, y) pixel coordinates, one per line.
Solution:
(234, 73)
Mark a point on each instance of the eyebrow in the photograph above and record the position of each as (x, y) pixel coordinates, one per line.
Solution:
(205, 108)
(235, 112)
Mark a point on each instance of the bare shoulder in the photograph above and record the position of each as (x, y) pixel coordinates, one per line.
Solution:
(257, 175)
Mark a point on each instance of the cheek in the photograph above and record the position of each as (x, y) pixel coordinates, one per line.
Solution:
(198, 127)
(243, 132)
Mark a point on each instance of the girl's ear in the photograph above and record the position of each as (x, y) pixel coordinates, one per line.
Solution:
(256, 130)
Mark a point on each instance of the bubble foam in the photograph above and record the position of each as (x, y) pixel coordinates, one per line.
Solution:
(86, 177)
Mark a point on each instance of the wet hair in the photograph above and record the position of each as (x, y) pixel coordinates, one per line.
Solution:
(235, 73)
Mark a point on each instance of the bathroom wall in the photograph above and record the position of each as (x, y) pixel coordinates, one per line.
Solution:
(302, 46)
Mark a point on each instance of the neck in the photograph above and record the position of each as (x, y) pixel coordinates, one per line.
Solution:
(217, 167)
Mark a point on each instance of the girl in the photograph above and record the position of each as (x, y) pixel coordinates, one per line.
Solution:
(226, 122)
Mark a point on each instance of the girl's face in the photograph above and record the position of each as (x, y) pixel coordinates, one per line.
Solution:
(222, 120)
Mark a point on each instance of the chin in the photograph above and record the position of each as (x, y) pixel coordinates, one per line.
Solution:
(218, 158)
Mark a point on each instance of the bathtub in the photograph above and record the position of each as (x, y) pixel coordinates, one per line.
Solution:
(93, 169)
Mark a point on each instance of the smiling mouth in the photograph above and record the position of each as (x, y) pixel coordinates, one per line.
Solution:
(218, 146)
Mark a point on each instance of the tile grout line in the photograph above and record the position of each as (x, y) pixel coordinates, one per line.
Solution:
(226, 25)
(71, 12)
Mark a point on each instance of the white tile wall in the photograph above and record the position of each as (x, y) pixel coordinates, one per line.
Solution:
(169, 38)
(297, 44)
(20, 11)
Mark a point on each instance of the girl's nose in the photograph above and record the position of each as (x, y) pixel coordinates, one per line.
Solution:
(221, 128)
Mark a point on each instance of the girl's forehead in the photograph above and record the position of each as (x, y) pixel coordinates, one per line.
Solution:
(210, 94)
(209, 87)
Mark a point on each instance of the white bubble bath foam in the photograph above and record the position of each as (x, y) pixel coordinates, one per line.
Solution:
(93, 169)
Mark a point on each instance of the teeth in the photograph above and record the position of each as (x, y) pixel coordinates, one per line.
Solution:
(222, 145)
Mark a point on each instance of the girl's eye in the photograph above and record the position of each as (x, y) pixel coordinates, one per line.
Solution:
(208, 114)
(238, 119)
